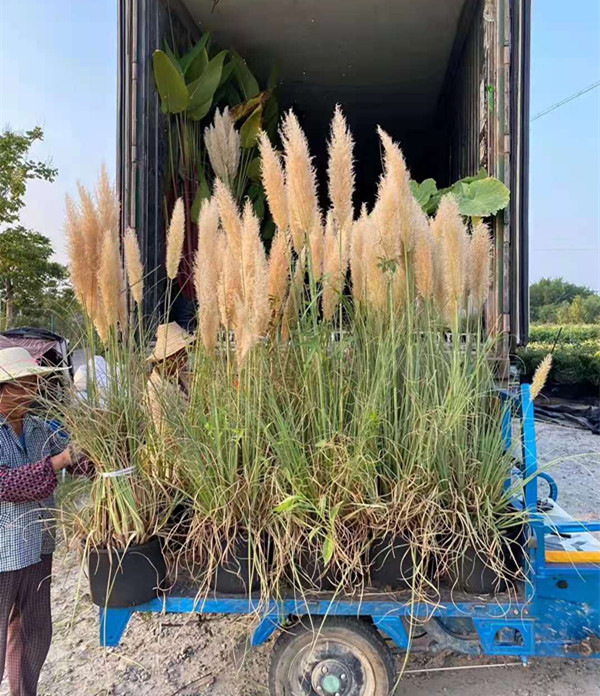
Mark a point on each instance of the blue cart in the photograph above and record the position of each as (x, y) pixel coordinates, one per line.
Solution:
(340, 646)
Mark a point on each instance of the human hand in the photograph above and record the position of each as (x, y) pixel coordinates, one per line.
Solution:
(63, 460)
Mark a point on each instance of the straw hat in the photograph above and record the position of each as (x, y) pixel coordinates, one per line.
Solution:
(170, 339)
(17, 362)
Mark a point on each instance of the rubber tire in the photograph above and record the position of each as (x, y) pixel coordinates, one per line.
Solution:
(353, 631)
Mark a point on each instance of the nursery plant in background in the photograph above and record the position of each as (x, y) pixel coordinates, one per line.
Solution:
(196, 88)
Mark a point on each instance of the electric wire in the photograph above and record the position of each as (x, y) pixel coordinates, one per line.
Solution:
(587, 89)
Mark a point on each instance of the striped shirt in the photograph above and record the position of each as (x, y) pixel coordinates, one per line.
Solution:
(27, 482)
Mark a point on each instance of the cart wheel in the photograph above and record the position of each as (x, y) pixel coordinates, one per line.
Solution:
(341, 657)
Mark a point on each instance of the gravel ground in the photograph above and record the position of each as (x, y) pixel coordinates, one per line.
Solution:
(204, 656)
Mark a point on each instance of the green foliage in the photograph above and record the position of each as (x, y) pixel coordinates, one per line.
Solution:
(554, 301)
(191, 88)
(29, 280)
(173, 92)
(16, 170)
(575, 334)
(478, 196)
(195, 83)
(573, 363)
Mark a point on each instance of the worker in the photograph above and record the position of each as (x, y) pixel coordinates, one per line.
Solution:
(94, 374)
(31, 454)
(169, 381)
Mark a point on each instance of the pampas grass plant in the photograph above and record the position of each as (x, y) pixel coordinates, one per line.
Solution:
(175, 237)
(222, 142)
(323, 418)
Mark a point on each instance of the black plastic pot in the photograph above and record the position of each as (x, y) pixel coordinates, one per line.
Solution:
(471, 574)
(235, 574)
(126, 578)
(310, 572)
(391, 563)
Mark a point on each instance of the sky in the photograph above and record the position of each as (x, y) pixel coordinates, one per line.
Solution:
(565, 144)
(58, 69)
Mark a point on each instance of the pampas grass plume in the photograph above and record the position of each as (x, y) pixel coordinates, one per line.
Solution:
(273, 179)
(301, 182)
(108, 208)
(452, 232)
(398, 189)
(341, 169)
(77, 252)
(222, 142)
(279, 271)
(357, 272)
(480, 253)
(133, 264)
(540, 376)
(93, 237)
(175, 237)
(316, 243)
(334, 268)
(424, 263)
(110, 278)
(230, 217)
(206, 273)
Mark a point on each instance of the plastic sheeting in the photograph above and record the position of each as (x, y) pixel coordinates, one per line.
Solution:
(36, 347)
(574, 414)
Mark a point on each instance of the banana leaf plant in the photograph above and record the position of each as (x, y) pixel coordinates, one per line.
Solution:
(191, 87)
(478, 196)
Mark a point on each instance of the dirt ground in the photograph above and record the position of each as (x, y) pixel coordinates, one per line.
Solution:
(204, 656)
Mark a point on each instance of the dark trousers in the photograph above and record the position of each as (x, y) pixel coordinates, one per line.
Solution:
(25, 625)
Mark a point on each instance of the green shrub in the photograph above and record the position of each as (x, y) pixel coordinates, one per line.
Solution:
(573, 363)
(571, 333)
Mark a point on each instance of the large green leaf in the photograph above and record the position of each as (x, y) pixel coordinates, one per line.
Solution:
(254, 169)
(423, 191)
(481, 174)
(328, 549)
(197, 67)
(202, 90)
(271, 117)
(288, 504)
(483, 197)
(202, 193)
(251, 128)
(259, 205)
(242, 110)
(190, 57)
(200, 112)
(173, 57)
(227, 72)
(174, 97)
(245, 78)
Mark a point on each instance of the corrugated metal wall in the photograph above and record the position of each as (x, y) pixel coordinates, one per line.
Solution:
(144, 25)
(465, 130)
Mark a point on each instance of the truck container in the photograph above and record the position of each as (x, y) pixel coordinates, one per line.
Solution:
(448, 79)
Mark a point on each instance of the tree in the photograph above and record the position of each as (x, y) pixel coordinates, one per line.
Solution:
(591, 309)
(16, 170)
(29, 280)
(551, 301)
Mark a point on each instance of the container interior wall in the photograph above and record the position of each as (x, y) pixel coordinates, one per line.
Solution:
(446, 141)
